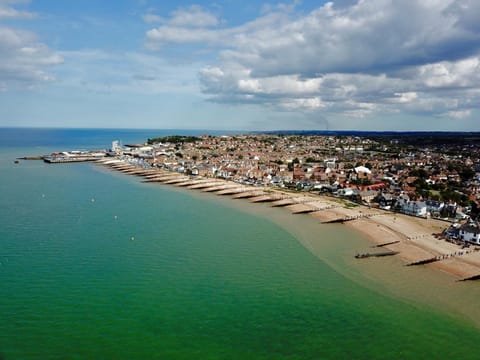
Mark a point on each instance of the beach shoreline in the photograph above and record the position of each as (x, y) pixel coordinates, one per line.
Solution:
(412, 239)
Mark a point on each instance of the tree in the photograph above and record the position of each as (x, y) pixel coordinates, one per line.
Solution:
(475, 212)
(466, 173)
(421, 173)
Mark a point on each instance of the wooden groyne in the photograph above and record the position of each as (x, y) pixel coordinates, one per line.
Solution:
(444, 257)
(176, 180)
(162, 178)
(155, 175)
(386, 244)
(267, 198)
(140, 172)
(335, 221)
(297, 203)
(248, 194)
(185, 183)
(284, 202)
(122, 166)
(471, 278)
(380, 254)
(233, 191)
(204, 185)
(304, 211)
(423, 261)
(218, 187)
(349, 218)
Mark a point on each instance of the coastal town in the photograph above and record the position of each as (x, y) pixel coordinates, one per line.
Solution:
(441, 182)
(417, 196)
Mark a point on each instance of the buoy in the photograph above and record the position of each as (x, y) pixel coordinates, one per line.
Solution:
(93, 200)
(132, 238)
(116, 217)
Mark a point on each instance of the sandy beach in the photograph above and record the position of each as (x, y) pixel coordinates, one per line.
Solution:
(415, 239)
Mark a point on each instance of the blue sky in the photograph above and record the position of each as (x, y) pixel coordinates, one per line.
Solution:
(346, 64)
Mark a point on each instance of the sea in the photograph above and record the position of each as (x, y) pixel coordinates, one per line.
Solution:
(95, 264)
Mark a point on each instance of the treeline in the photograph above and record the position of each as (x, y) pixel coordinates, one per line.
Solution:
(174, 139)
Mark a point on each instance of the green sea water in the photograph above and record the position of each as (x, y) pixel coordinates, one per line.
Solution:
(97, 265)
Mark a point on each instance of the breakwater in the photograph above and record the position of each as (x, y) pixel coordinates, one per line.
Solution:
(412, 244)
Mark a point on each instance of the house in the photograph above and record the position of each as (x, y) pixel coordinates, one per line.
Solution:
(367, 196)
(470, 232)
(434, 207)
(345, 192)
(363, 172)
(298, 173)
(385, 200)
(415, 208)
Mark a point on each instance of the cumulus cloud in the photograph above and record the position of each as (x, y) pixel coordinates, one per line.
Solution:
(193, 16)
(24, 60)
(459, 114)
(7, 11)
(195, 25)
(354, 58)
(185, 25)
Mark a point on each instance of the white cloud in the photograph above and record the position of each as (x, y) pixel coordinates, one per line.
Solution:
(8, 12)
(193, 16)
(172, 34)
(358, 59)
(460, 114)
(24, 60)
(191, 24)
(183, 29)
(462, 73)
(314, 103)
(405, 97)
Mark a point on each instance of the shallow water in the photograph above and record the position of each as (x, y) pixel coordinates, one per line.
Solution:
(96, 264)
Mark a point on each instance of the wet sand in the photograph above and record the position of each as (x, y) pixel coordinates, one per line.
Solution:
(414, 239)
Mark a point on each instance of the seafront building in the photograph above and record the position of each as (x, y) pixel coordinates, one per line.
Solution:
(426, 181)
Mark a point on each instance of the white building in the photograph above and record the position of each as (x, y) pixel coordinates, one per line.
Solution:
(116, 147)
(470, 232)
(415, 208)
(345, 192)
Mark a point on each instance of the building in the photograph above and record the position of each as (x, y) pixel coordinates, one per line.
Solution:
(363, 172)
(385, 200)
(470, 232)
(415, 208)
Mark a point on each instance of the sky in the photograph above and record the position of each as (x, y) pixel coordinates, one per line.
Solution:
(241, 65)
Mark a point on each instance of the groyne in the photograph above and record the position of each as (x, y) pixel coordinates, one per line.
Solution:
(396, 234)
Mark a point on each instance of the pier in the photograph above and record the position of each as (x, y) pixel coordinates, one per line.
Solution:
(59, 160)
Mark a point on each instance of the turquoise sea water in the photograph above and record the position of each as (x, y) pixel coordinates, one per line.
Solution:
(97, 265)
